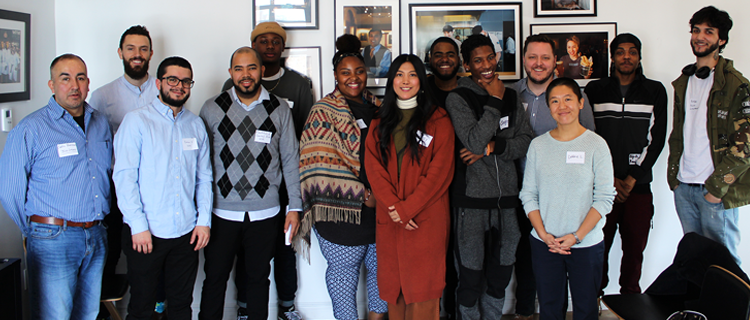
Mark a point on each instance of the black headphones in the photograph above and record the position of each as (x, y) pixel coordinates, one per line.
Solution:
(692, 69)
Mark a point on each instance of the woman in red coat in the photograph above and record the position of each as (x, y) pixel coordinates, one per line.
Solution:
(410, 166)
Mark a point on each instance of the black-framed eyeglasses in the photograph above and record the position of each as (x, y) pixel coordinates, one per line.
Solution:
(174, 81)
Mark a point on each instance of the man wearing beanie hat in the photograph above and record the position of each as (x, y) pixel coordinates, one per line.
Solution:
(630, 112)
(269, 39)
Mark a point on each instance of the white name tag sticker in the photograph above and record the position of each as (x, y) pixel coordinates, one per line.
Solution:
(693, 105)
(289, 102)
(361, 123)
(189, 144)
(425, 139)
(576, 157)
(633, 158)
(262, 136)
(67, 149)
(504, 122)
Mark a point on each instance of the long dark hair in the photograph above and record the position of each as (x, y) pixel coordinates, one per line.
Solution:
(390, 116)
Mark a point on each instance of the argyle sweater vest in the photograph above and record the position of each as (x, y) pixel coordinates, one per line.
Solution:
(247, 170)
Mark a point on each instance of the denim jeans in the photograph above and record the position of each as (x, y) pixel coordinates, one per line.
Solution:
(65, 270)
(708, 219)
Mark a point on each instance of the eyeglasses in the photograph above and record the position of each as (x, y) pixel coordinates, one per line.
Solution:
(174, 81)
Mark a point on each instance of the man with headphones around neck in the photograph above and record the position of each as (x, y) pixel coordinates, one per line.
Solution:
(709, 152)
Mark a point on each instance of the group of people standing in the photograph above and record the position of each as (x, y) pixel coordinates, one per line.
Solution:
(447, 180)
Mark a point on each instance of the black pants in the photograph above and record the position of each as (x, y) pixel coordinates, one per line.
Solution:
(284, 270)
(258, 240)
(179, 262)
(525, 283)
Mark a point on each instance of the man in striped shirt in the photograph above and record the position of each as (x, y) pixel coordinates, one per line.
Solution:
(55, 187)
(630, 112)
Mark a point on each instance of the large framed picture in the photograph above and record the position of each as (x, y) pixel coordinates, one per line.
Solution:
(291, 14)
(376, 24)
(14, 56)
(582, 49)
(501, 22)
(306, 60)
(564, 8)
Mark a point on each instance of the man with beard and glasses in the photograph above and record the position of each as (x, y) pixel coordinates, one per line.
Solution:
(709, 154)
(254, 147)
(132, 90)
(163, 180)
(492, 133)
(268, 39)
(631, 115)
(539, 63)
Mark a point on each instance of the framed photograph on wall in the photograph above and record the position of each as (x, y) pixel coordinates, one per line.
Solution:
(501, 22)
(291, 14)
(565, 8)
(15, 64)
(582, 49)
(306, 60)
(376, 24)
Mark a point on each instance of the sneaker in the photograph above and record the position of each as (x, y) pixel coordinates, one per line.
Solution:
(288, 313)
(241, 314)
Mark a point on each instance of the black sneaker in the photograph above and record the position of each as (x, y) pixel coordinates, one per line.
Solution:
(288, 313)
(241, 314)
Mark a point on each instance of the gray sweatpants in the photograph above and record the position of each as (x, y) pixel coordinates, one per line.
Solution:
(485, 250)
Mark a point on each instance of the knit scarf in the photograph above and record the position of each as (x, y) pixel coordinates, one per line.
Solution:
(329, 165)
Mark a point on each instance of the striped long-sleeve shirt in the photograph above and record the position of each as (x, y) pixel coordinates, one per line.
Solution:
(51, 167)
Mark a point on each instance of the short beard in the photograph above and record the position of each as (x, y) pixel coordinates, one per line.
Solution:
(535, 81)
(446, 77)
(251, 93)
(710, 50)
(136, 74)
(173, 102)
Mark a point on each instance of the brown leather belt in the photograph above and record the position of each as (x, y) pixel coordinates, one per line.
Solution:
(61, 222)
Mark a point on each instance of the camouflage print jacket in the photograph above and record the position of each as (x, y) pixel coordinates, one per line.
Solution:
(728, 131)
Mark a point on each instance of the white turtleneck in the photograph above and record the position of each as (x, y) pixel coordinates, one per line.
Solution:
(407, 104)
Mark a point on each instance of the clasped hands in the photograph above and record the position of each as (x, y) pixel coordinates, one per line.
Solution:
(559, 245)
(411, 226)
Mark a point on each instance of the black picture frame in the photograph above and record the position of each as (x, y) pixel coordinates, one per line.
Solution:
(499, 21)
(565, 8)
(593, 42)
(290, 14)
(15, 69)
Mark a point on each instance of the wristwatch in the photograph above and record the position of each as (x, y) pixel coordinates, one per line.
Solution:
(578, 241)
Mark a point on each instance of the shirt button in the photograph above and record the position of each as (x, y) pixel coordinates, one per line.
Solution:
(93, 177)
(177, 158)
(177, 177)
(176, 213)
(89, 159)
(96, 196)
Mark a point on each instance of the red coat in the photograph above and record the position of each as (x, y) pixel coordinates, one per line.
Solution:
(413, 262)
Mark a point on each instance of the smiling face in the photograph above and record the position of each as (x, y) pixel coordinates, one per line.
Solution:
(135, 54)
(406, 81)
(374, 37)
(351, 77)
(626, 59)
(174, 96)
(70, 84)
(572, 50)
(564, 105)
(704, 40)
(270, 46)
(444, 61)
(539, 62)
(482, 64)
(246, 72)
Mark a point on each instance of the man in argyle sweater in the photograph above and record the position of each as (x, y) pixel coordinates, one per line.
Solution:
(253, 145)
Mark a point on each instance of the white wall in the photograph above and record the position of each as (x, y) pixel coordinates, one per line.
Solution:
(207, 33)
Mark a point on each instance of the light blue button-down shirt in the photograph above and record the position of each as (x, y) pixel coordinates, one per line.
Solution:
(381, 70)
(119, 97)
(163, 171)
(51, 168)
